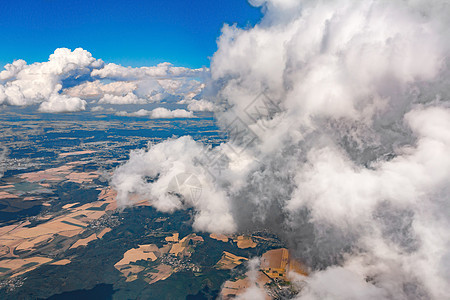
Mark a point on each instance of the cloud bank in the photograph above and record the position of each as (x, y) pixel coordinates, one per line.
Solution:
(158, 113)
(22, 84)
(71, 80)
(338, 120)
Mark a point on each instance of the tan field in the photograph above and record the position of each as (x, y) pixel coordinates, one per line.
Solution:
(244, 242)
(219, 237)
(229, 261)
(173, 238)
(15, 239)
(181, 247)
(6, 186)
(61, 262)
(21, 238)
(76, 153)
(176, 249)
(6, 195)
(81, 177)
(84, 242)
(165, 249)
(70, 233)
(70, 205)
(164, 272)
(20, 265)
(231, 289)
(103, 232)
(60, 173)
(53, 174)
(144, 252)
(130, 271)
(30, 244)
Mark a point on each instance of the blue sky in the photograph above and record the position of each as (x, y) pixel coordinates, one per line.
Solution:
(136, 33)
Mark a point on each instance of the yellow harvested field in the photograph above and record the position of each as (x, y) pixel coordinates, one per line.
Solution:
(27, 264)
(173, 238)
(181, 246)
(164, 272)
(70, 219)
(6, 186)
(112, 206)
(61, 262)
(6, 195)
(131, 278)
(35, 232)
(93, 214)
(176, 248)
(144, 252)
(44, 230)
(130, 270)
(70, 205)
(219, 237)
(149, 248)
(81, 177)
(109, 195)
(4, 250)
(70, 233)
(103, 232)
(244, 242)
(8, 228)
(229, 261)
(277, 263)
(54, 174)
(84, 242)
(197, 238)
(76, 153)
(165, 249)
(231, 289)
(29, 244)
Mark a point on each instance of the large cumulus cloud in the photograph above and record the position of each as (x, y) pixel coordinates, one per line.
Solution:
(71, 80)
(23, 84)
(338, 117)
(163, 70)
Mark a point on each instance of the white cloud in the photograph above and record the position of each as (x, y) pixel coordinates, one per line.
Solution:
(129, 98)
(28, 84)
(119, 72)
(158, 113)
(254, 291)
(347, 144)
(22, 84)
(339, 283)
(57, 103)
(200, 105)
(94, 89)
(167, 160)
(100, 108)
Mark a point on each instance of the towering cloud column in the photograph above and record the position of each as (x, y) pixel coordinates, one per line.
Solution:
(338, 120)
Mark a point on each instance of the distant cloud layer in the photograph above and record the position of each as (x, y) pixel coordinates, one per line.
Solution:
(338, 118)
(23, 84)
(72, 80)
(119, 72)
(158, 113)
